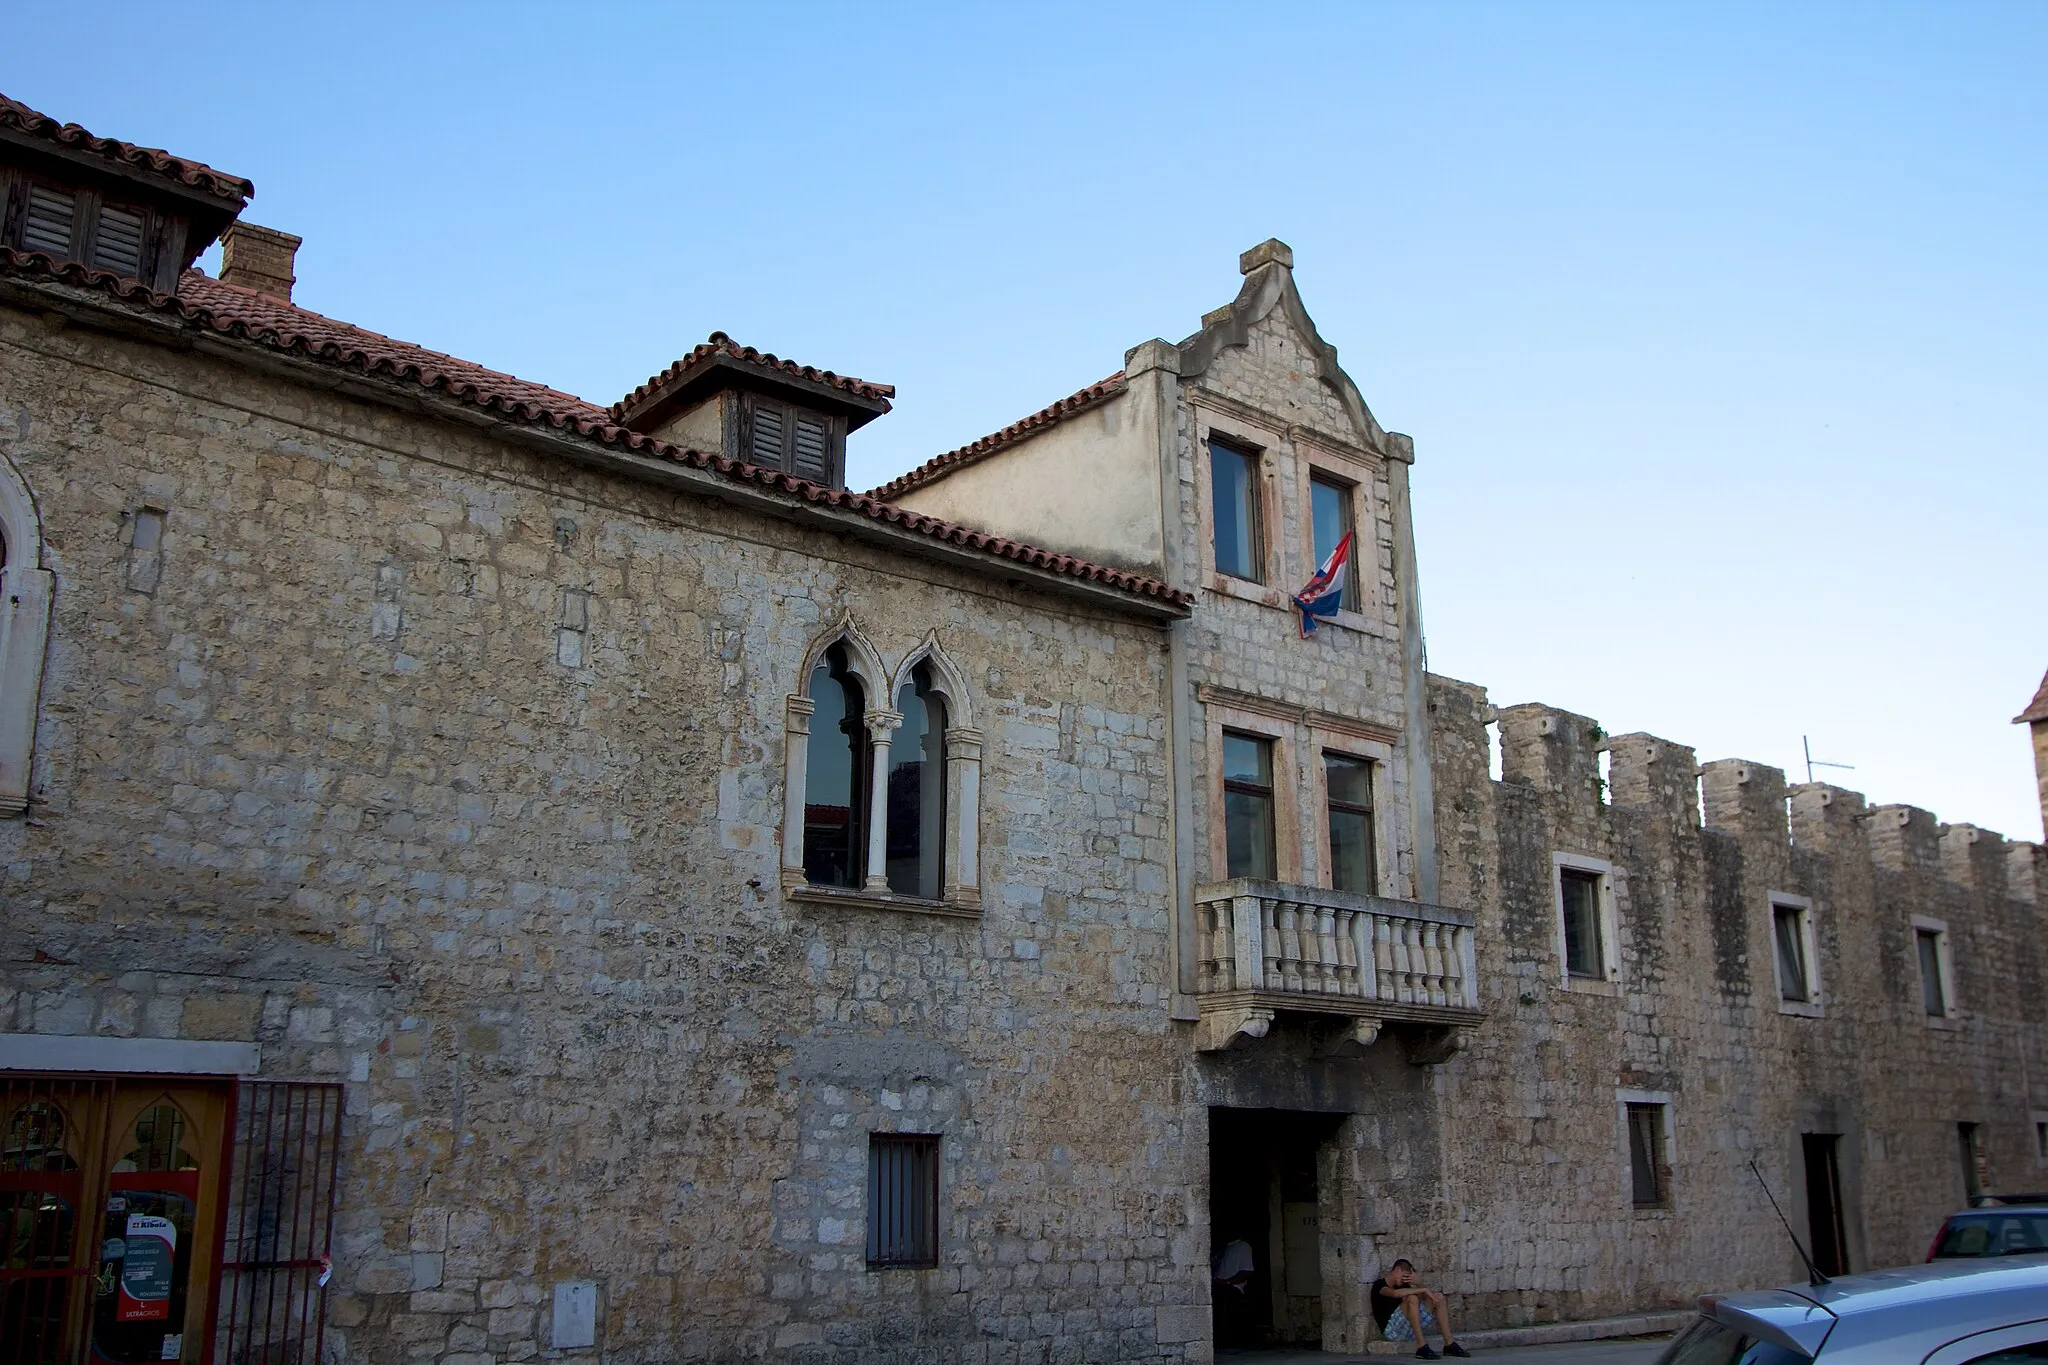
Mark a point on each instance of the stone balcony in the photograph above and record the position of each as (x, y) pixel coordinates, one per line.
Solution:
(1268, 948)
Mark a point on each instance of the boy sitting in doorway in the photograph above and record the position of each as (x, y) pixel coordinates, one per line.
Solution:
(1406, 1311)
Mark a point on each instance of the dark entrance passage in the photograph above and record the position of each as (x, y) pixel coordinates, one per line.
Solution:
(1264, 1216)
(1824, 1203)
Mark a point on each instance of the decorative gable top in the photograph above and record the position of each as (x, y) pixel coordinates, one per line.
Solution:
(1269, 288)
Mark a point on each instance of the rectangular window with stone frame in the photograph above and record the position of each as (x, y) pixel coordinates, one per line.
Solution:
(1583, 956)
(1234, 507)
(1248, 806)
(1649, 1175)
(1354, 858)
(1930, 943)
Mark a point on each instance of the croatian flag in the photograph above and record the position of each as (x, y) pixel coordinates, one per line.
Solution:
(1324, 594)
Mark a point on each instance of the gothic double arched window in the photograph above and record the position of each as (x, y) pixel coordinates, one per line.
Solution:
(882, 799)
(25, 590)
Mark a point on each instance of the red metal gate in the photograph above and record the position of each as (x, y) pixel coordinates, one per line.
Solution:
(280, 1223)
(52, 1148)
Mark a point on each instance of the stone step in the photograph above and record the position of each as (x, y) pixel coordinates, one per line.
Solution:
(1545, 1334)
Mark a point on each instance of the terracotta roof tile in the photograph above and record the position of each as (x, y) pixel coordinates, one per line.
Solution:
(197, 175)
(721, 344)
(208, 305)
(1051, 415)
(2037, 709)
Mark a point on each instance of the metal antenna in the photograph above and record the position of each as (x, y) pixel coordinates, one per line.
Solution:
(1812, 762)
(1813, 1275)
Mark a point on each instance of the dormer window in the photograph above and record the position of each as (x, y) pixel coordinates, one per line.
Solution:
(135, 212)
(784, 436)
(78, 225)
(732, 400)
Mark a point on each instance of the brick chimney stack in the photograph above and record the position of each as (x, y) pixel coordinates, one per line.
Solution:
(258, 258)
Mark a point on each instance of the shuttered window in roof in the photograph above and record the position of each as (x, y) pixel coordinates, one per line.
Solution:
(769, 430)
(811, 450)
(779, 435)
(117, 241)
(46, 223)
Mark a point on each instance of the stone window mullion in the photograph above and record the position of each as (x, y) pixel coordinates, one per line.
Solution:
(881, 727)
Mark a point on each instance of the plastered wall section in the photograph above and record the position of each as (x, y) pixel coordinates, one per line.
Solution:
(336, 783)
(1088, 485)
(1539, 1198)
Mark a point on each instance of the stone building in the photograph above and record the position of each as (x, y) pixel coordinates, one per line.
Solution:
(493, 877)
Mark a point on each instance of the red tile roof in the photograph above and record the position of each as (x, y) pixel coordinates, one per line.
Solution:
(197, 175)
(2037, 709)
(206, 304)
(721, 344)
(1051, 415)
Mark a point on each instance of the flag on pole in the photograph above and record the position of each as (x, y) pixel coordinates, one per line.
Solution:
(1323, 595)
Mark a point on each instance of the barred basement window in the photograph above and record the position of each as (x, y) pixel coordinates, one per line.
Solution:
(903, 1200)
(1649, 1179)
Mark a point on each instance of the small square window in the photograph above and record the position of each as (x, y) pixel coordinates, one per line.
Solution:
(903, 1200)
(1933, 949)
(1234, 502)
(1649, 1178)
(1788, 936)
(1584, 955)
(1248, 806)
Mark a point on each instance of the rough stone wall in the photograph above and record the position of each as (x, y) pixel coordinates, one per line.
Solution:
(338, 784)
(1536, 1153)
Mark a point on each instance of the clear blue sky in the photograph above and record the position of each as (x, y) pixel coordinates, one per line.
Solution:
(1718, 327)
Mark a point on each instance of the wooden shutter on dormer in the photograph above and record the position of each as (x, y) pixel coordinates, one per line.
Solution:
(117, 241)
(764, 445)
(810, 454)
(46, 221)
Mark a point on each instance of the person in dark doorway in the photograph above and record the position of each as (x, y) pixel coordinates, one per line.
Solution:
(1407, 1311)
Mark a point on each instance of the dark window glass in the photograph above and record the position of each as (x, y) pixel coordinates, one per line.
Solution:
(834, 821)
(1789, 928)
(903, 1200)
(1646, 1153)
(1233, 483)
(1993, 1234)
(1353, 864)
(1932, 997)
(917, 791)
(1330, 513)
(2014, 1355)
(1248, 806)
(1582, 955)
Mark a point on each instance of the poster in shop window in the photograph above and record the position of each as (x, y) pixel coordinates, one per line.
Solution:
(152, 1245)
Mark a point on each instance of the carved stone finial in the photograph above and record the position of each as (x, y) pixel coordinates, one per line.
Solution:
(1272, 251)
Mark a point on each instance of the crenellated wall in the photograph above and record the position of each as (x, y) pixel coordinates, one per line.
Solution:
(1536, 1151)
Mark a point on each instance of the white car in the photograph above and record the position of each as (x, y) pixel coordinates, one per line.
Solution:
(1967, 1312)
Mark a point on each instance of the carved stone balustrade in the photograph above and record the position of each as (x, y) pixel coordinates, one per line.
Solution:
(1272, 947)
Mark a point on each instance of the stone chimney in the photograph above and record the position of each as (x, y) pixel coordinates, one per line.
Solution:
(2036, 717)
(258, 258)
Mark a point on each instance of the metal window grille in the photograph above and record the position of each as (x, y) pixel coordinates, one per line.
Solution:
(52, 1147)
(279, 1224)
(1646, 1154)
(903, 1200)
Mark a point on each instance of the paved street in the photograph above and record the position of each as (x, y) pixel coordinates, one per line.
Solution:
(1625, 1351)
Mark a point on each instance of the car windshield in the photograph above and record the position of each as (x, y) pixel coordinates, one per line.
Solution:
(1994, 1234)
(1707, 1342)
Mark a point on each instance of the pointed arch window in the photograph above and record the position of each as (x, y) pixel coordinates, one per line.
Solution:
(917, 790)
(834, 830)
(881, 800)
